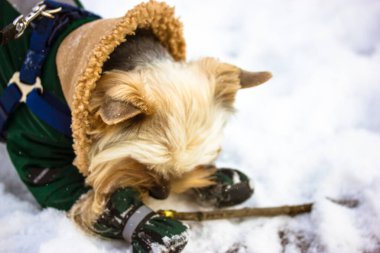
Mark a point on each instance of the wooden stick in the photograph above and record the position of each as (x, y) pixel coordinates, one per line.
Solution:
(238, 213)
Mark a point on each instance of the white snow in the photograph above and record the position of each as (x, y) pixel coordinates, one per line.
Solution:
(311, 133)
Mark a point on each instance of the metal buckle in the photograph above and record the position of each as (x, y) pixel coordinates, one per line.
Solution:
(22, 22)
(24, 88)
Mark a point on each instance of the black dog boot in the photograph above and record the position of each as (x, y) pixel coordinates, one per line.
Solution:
(232, 187)
(126, 217)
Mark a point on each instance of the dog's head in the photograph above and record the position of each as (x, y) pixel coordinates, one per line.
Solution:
(164, 118)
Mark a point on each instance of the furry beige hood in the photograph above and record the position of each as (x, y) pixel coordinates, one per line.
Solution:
(82, 54)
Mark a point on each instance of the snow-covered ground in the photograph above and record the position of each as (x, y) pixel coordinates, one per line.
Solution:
(310, 134)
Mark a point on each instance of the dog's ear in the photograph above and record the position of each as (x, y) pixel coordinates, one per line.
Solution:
(122, 97)
(228, 79)
(251, 79)
(114, 111)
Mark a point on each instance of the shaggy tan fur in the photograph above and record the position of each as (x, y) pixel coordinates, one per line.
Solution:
(160, 123)
(169, 139)
(173, 136)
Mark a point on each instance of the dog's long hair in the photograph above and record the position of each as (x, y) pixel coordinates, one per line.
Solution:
(174, 123)
(159, 122)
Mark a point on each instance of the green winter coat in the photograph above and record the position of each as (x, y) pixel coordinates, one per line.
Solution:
(42, 156)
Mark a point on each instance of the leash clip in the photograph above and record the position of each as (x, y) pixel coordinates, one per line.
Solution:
(24, 88)
(22, 22)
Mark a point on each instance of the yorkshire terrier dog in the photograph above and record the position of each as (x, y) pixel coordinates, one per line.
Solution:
(145, 123)
(159, 129)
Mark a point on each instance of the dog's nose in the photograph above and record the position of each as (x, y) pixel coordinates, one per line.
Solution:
(160, 191)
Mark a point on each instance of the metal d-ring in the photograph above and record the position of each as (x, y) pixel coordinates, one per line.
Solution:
(22, 22)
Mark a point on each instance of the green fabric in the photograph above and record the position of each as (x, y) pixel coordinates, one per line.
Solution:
(158, 230)
(165, 227)
(161, 232)
(120, 206)
(32, 144)
(231, 187)
(225, 176)
(222, 178)
(78, 3)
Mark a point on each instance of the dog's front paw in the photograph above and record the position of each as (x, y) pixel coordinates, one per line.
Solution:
(160, 234)
(125, 216)
(231, 187)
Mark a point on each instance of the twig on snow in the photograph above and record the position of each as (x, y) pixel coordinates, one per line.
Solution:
(238, 213)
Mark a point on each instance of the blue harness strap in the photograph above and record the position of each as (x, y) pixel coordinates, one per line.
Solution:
(9, 100)
(48, 109)
(44, 105)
